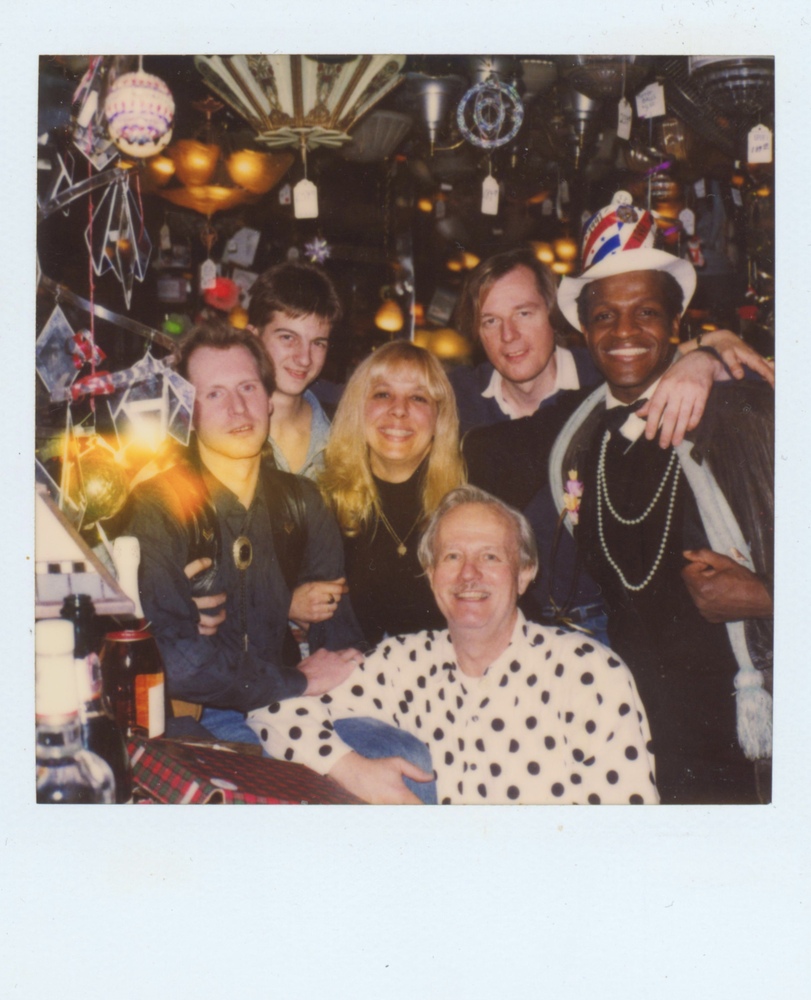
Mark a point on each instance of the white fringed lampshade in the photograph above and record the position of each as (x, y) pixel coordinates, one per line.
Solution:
(140, 111)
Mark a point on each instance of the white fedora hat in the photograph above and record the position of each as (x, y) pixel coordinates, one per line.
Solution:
(616, 240)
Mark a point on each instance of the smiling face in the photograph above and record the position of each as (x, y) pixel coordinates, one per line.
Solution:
(514, 327)
(298, 348)
(476, 577)
(628, 331)
(400, 421)
(231, 407)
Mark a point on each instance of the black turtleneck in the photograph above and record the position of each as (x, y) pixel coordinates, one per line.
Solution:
(389, 592)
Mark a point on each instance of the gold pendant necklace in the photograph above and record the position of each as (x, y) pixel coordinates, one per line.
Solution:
(401, 542)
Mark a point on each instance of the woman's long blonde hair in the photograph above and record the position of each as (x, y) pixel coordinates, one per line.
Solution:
(346, 482)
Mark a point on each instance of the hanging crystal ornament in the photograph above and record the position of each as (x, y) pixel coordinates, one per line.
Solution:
(116, 236)
(89, 124)
(61, 169)
(317, 250)
(140, 111)
(54, 359)
(490, 114)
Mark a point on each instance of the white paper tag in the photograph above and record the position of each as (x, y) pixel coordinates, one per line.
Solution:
(650, 102)
(759, 145)
(305, 200)
(208, 274)
(285, 195)
(687, 217)
(88, 109)
(736, 197)
(700, 188)
(563, 190)
(489, 196)
(547, 207)
(165, 238)
(625, 116)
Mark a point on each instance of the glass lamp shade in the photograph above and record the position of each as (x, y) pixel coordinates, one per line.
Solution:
(140, 110)
(290, 99)
(194, 161)
(565, 248)
(257, 172)
(389, 317)
(208, 198)
(161, 170)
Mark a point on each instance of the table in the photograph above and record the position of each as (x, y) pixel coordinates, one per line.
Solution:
(203, 771)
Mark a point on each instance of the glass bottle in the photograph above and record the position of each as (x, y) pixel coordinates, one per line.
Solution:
(132, 672)
(132, 667)
(100, 732)
(66, 772)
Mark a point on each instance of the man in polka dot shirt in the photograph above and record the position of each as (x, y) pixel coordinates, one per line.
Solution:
(510, 710)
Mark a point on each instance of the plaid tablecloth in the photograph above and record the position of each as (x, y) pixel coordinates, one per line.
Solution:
(174, 772)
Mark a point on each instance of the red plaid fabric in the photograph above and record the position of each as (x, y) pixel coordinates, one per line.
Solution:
(179, 773)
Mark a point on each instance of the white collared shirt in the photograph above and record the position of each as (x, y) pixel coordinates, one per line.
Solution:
(565, 378)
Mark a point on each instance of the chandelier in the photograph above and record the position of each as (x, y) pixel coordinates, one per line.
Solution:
(298, 100)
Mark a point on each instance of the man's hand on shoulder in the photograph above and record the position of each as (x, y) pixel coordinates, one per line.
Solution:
(325, 670)
(678, 403)
(723, 590)
(735, 353)
(379, 782)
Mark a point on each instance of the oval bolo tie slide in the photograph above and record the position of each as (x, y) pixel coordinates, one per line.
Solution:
(243, 552)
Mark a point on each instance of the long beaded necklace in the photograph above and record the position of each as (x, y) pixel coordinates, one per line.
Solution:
(402, 548)
(603, 497)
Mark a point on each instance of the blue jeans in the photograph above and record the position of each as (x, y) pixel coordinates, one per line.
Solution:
(368, 737)
(375, 739)
(228, 725)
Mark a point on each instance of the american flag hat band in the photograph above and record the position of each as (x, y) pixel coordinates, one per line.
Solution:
(616, 240)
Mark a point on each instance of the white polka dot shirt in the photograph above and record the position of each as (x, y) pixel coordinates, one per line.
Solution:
(555, 719)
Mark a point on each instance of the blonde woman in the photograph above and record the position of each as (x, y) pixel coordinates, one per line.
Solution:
(392, 456)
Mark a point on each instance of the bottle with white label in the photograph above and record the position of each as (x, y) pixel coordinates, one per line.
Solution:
(66, 772)
(100, 732)
(131, 664)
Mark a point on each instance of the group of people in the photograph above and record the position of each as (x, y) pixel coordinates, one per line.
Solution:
(570, 603)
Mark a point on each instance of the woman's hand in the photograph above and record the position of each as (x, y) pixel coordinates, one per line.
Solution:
(317, 601)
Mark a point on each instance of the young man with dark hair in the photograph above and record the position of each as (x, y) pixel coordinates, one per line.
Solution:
(293, 310)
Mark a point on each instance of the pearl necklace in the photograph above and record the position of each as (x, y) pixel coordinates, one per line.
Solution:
(602, 495)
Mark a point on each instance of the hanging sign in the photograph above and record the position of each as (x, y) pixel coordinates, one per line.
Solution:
(759, 145)
(650, 102)
(625, 116)
(736, 197)
(305, 200)
(700, 188)
(490, 196)
(687, 218)
(548, 207)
